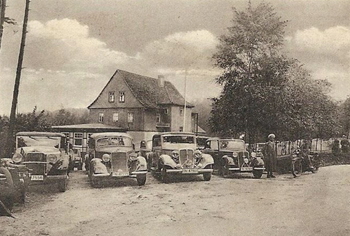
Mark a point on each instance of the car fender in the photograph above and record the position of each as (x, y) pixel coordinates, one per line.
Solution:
(98, 167)
(258, 161)
(228, 160)
(141, 163)
(207, 159)
(167, 161)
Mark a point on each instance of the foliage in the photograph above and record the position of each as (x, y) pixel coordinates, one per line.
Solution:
(263, 90)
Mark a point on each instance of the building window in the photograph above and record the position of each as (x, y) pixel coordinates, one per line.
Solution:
(165, 111)
(130, 117)
(78, 139)
(181, 111)
(181, 129)
(115, 117)
(111, 97)
(100, 117)
(121, 96)
(158, 118)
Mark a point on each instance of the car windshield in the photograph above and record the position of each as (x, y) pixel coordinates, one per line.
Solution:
(114, 141)
(178, 139)
(232, 144)
(30, 141)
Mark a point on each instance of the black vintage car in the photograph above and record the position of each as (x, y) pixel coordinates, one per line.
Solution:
(111, 156)
(45, 155)
(230, 155)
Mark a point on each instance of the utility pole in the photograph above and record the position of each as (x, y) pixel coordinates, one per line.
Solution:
(184, 125)
(2, 18)
(9, 145)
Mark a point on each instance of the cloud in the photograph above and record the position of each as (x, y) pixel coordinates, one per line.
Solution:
(181, 50)
(332, 41)
(326, 53)
(66, 45)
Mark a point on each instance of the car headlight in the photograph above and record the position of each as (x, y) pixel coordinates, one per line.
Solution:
(235, 154)
(17, 158)
(51, 158)
(106, 157)
(253, 154)
(246, 160)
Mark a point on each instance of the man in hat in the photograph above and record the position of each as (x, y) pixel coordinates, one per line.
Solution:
(270, 156)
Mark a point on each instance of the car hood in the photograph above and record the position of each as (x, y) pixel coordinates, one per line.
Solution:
(43, 149)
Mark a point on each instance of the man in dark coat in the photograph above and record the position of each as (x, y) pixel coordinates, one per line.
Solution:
(270, 156)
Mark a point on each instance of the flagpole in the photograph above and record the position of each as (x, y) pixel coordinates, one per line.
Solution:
(184, 125)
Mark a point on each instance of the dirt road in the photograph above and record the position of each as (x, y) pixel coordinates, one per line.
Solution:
(313, 204)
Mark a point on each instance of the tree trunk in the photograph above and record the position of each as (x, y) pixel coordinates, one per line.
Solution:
(9, 145)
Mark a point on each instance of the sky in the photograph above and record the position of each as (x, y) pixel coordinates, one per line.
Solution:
(73, 47)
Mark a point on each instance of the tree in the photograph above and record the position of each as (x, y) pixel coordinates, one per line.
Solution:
(263, 90)
(253, 73)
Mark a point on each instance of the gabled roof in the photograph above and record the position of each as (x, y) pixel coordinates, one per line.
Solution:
(147, 90)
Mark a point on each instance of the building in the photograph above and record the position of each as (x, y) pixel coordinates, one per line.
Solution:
(142, 105)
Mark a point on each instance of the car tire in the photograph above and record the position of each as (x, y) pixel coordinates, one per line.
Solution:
(10, 189)
(297, 168)
(80, 167)
(207, 176)
(141, 179)
(163, 175)
(257, 174)
(62, 185)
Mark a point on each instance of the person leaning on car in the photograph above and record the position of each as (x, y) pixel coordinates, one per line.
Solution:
(270, 156)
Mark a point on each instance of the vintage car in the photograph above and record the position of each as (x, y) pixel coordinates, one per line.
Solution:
(45, 154)
(230, 155)
(112, 156)
(76, 159)
(14, 181)
(175, 153)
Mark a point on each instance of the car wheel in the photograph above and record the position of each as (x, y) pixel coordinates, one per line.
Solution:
(297, 168)
(62, 185)
(207, 176)
(9, 189)
(141, 179)
(163, 175)
(257, 174)
(80, 167)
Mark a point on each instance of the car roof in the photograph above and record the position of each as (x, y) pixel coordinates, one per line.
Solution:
(110, 134)
(226, 139)
(44, 134)
(176, 133)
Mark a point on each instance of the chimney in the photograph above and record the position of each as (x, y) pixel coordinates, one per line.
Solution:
(161, 80)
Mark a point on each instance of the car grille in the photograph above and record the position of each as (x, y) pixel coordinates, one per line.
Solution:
(36, 168)
(35, 156)
(241, 156)
(186, 157)
(119, 162)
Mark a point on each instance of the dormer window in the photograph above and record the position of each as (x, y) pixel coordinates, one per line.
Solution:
(121, 96)
(111, 97)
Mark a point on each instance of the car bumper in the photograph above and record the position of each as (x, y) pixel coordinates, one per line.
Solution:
(114, 175)
(189, 171)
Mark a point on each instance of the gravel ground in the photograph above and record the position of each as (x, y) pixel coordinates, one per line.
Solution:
(313, 204)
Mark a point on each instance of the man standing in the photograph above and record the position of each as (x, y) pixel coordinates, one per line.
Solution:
(270, 156)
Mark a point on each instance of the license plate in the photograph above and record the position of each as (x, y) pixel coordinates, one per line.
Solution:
(246, 168)
(189, 171)
(37, 177)
(121, 174)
